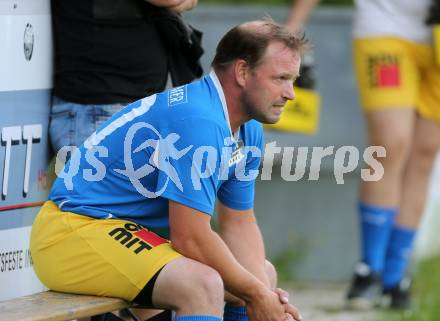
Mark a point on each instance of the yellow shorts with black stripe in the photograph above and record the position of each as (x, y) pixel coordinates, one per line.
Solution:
(78, 254)
(396, 73)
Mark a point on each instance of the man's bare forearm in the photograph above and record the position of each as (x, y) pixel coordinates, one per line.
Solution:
(192, 236)
(211, 250)
(243, 237)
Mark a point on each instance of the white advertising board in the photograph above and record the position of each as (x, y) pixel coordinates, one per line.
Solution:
(25, 93)
(26, 55)
(17, 277)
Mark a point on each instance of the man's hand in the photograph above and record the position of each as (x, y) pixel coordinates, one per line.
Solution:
(185, 5)
(291, 311)
(265, 306)
(282, 294)
(272, 306)
(175, 5)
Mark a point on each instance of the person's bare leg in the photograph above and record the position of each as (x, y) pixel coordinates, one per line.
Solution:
(379, 201)
(392, 129)
(189, 288)
(414, 191)
(416, 179)
(164, 293)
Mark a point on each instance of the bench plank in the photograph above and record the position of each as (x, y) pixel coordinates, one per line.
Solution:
(56, 306)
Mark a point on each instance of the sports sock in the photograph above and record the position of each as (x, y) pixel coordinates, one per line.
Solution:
(376, 225)
(235, 313)
(198, 318)
(397, 255)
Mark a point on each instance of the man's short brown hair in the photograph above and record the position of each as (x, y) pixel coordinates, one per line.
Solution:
(249, 41)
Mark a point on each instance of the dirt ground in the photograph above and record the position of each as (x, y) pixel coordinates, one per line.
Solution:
(326, 303)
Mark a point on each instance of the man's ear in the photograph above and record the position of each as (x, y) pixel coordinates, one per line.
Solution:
(241, 71)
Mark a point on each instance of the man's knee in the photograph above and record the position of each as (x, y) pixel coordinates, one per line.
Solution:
(203, 285)
(189, 285)
(211, 285)
(425, 153)
(397, 148)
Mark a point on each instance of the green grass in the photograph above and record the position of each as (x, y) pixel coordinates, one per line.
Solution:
(426, 293)
(286, 261)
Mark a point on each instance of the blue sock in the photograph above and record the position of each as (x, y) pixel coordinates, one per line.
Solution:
(397, 256)
(376, 226)
(198, 318)
(235, 313)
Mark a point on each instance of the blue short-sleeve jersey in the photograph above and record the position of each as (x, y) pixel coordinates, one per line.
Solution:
(176, 145)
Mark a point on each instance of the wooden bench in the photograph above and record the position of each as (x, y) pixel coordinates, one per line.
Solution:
(55, 306)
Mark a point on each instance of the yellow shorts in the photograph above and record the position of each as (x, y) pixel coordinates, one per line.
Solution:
(395, 73)
(78, 254)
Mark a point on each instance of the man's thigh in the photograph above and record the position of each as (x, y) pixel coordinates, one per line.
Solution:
(77, 254)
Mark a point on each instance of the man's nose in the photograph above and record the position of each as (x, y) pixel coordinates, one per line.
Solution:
(289, 92)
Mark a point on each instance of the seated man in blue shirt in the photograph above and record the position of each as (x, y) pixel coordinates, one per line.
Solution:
(129, 216)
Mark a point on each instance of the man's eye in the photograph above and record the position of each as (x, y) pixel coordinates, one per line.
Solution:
(282, 78)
